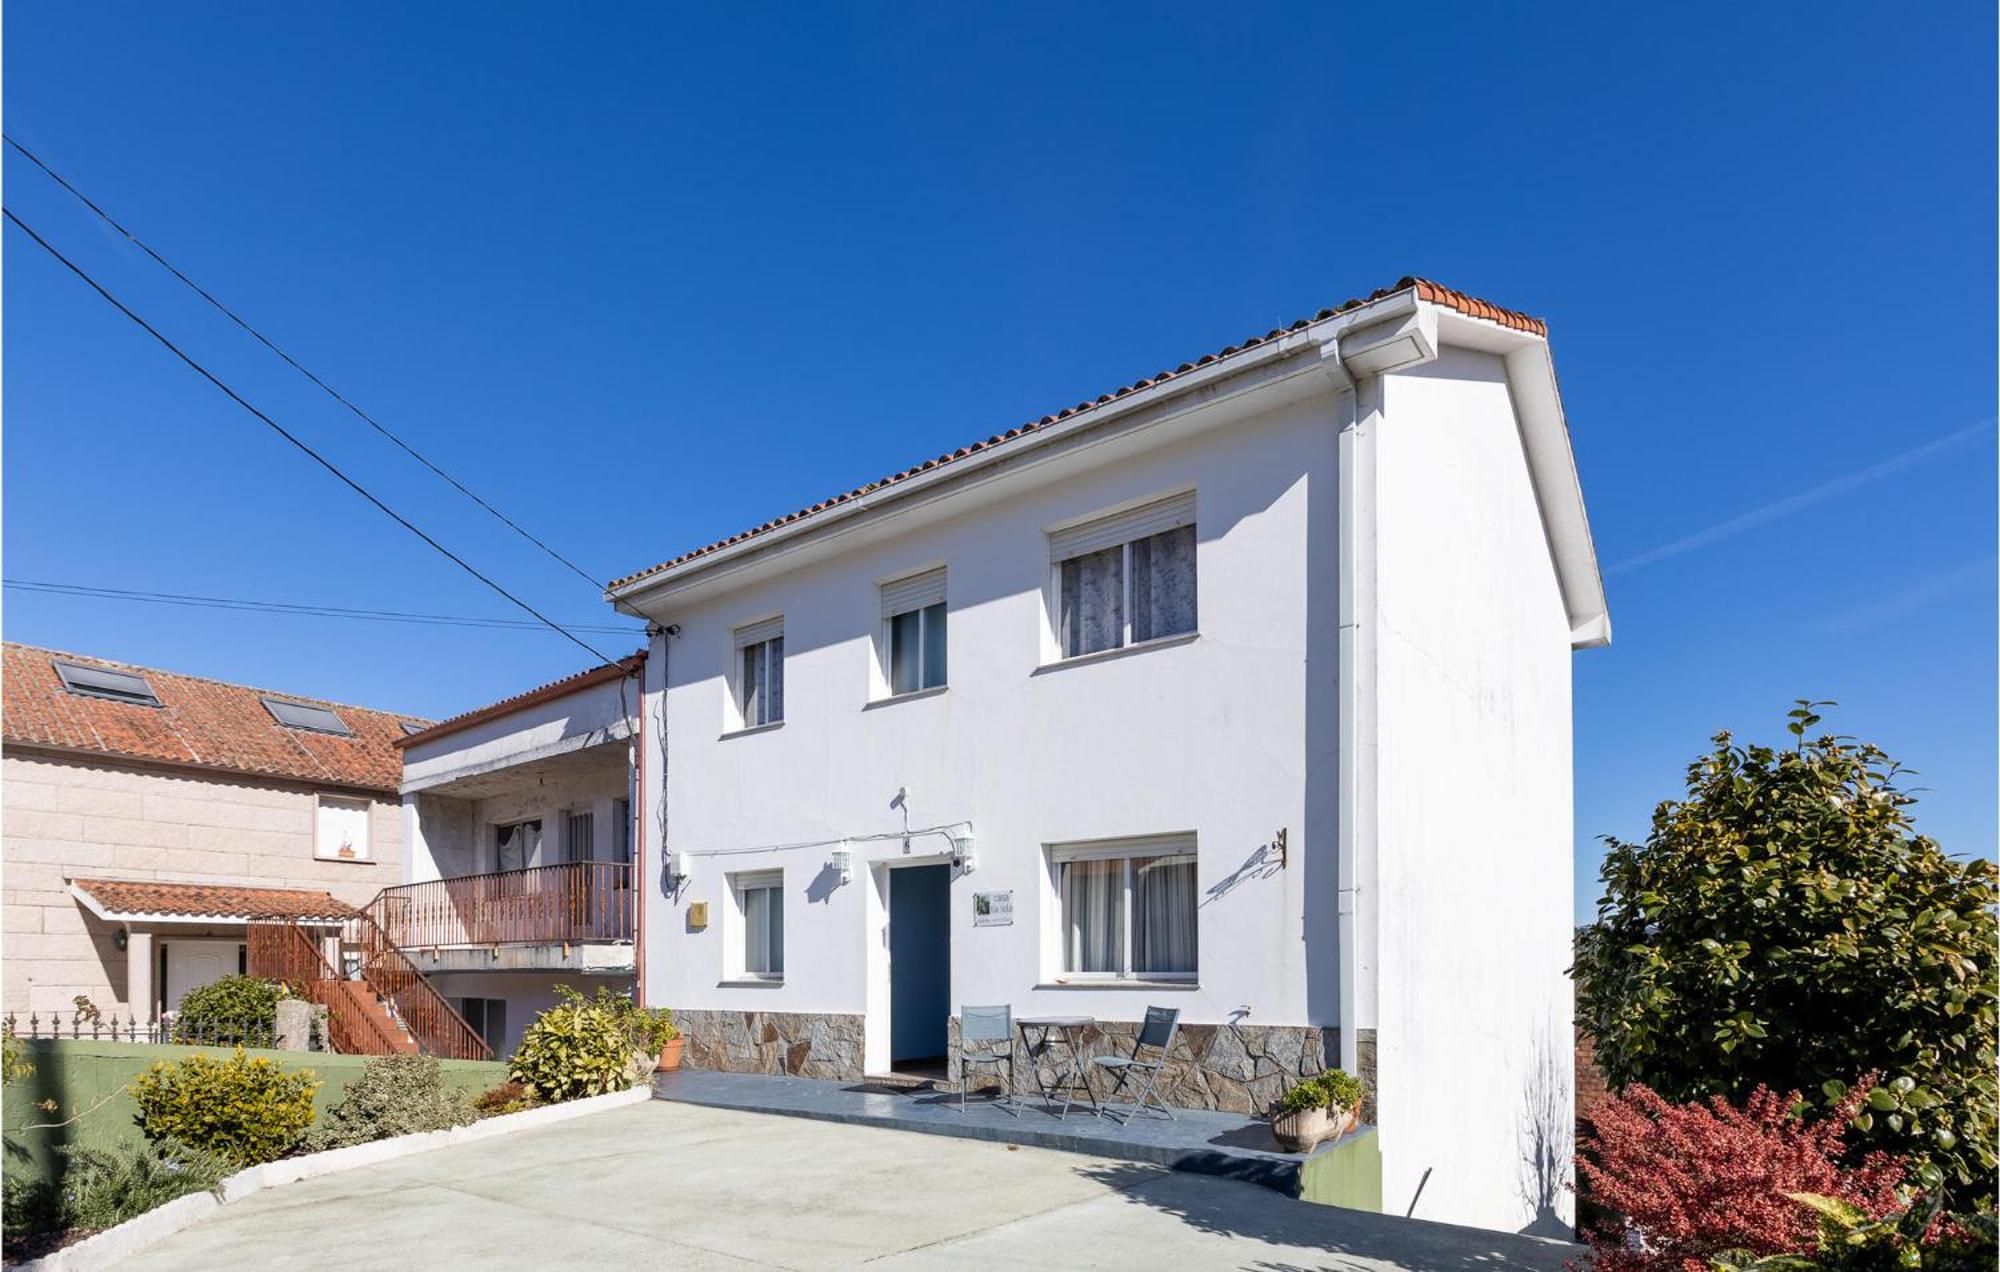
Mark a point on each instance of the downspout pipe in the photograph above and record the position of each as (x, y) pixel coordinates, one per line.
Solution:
(639, 842)
(1354, 816)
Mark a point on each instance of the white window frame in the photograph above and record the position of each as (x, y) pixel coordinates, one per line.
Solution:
(743, 638)
(365, 850)
(1121, 528)
(1174, 845)
(911, 593)
(741, 882)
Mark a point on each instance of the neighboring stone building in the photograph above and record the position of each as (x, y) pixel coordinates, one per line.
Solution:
(150, 816)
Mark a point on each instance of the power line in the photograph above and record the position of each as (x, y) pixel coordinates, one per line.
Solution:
(294, 608)
(281, 431)
(292, 362)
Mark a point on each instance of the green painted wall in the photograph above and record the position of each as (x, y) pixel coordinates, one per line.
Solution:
(92, 1076)
(1348, 1173)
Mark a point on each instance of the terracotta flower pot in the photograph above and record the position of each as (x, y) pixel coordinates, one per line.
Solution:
(1298, 1132)
(1342, 1122)
(670, 1055)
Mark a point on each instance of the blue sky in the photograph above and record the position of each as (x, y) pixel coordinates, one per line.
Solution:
(645, 276)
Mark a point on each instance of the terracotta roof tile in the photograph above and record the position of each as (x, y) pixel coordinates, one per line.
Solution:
(199, 722)
(143, 897)
(1426, 290)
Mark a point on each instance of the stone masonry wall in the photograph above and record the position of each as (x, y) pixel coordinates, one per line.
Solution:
(1233, 1068)
(71, 817)
(802, 1044)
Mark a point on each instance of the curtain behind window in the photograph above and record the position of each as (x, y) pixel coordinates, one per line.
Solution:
(905, 656)
(763, 684)
(1093, 913)
(1093, 602)
(1163, 915)
(519, 845)
(1163, 593)
(764, 927)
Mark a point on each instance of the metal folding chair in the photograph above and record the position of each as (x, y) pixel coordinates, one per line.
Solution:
(1157, 1033)
(993, 1027)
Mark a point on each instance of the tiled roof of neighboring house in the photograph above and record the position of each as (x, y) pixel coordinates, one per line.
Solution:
(1426, 290)
(121, 896)
(626, 666)
(199, 722)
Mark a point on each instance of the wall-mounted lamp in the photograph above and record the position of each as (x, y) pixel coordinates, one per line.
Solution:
(961, 850)
(123, 938)
(843, 865)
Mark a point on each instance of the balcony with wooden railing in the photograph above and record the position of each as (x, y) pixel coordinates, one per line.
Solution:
(576, 903)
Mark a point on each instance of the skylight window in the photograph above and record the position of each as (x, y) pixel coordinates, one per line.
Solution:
(300, 715)
(102, 682)
(411, 730)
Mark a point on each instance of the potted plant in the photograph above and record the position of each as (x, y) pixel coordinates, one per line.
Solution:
(667, 1038)
(655, 1034)
(1324, 1106)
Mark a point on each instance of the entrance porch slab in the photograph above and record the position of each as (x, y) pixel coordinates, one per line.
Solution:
(1199, 1141)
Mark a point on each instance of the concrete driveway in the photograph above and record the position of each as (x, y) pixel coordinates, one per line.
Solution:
(662, 1185)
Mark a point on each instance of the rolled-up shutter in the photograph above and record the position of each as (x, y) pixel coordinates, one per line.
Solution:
(752, 633)
(917, 591)
(1170, 513)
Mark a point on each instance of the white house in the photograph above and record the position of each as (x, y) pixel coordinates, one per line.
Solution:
(518, 818)
(1244, 689)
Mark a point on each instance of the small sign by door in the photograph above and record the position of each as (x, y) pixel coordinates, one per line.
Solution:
(993, 909)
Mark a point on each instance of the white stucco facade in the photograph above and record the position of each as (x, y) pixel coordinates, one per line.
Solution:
(1365, 736)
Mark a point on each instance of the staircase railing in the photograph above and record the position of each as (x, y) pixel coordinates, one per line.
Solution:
(284, 952)
(578, 902)
(438, 1029)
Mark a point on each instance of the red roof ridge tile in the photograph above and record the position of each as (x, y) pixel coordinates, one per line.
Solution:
(1425, 289)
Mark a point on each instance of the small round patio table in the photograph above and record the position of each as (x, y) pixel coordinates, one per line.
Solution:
(1057, 1042)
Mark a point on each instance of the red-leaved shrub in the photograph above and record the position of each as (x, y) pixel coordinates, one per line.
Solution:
(1700, 1178)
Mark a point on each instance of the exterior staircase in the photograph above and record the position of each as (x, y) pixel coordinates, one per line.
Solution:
(379, 1002)
(385, 1008)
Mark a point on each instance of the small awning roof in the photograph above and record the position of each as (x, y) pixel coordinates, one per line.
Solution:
(128, 901)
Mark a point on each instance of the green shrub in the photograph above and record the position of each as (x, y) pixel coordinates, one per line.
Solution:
(578, 1048)
(14, 1063)
(103, 1189)
(1333, 1089)
(1785, 925)
(395, 1095)
(32, 1208)
(246, 1109)
(651, 1028)
(236, 1009)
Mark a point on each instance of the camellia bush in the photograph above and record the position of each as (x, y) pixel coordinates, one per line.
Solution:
(1785, 925)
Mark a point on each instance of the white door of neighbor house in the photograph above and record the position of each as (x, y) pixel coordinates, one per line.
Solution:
(192, 964)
